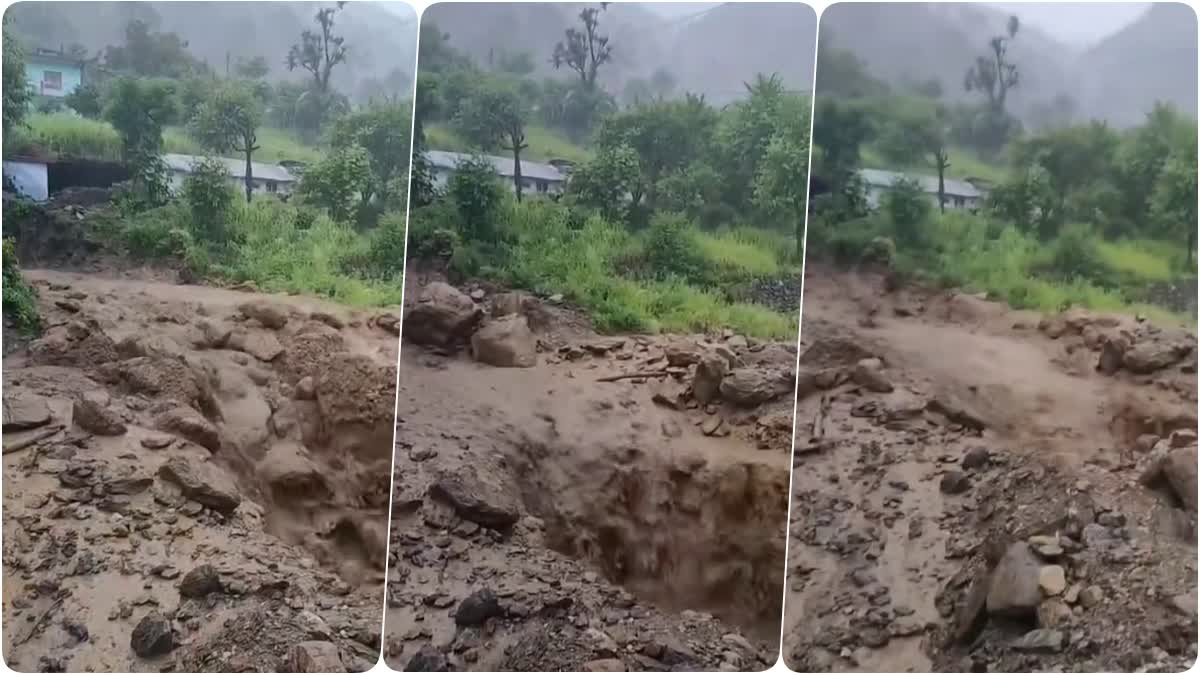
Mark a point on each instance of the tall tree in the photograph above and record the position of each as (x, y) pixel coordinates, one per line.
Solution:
(382, 129)
(584, 51)
(139, 109)
(781, 184)
(229, 122)
(318, 52)
(932, 134)
(994, 74)
(495, 116)
(17, 92)
(151, 54)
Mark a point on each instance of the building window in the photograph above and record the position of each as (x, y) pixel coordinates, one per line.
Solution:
(51, 80)
(272, 186)
(543, 186)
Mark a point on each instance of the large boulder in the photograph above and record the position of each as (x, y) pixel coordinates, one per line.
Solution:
(442, 316)
(749, 387)
(191, 425)
(506, 342)
(91, 411)
(1176, 469)
(270, 314)
(315, 656)
(260, 344)
(1014, 590)
(706, 383)
(24, 409)
(475, 499)
(203, 482)
(1150, 356)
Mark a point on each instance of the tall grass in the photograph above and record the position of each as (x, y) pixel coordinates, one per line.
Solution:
(544, 144)
(65, 134)
(964, 163)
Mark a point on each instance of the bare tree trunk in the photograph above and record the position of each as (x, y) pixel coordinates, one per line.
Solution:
(941, 187)
(249, 177)
(517, 169)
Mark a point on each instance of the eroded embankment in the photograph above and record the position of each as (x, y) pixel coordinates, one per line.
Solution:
(221, 447)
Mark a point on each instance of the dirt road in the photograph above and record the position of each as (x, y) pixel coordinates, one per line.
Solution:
(195, 479)
(969, 430)
(545, 519)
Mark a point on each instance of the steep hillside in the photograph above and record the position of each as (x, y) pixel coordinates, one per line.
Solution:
(1154, 58)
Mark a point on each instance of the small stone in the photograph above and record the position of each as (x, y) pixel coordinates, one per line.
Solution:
(306, 389)
(91, 412)
(153, 636)
(1040, 640)
(976, 458)
(1053, 613)
(428, 659)
(315, 657)
(711, 425)
(477, 608)
(1091, 596)
(604, 666)
(1052, 579)
(200, 582)
(157, 441)
(954, 482)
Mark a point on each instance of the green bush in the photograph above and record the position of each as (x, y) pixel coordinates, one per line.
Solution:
(209, 197)
(477, 194)
(1074, 254)
(20, 299)
(384, 258)
(157, 234)
(432, 235)
(671, 248)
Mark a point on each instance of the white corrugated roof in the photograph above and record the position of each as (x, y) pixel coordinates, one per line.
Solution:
(236, 167)
(504, 165)
(886, 179)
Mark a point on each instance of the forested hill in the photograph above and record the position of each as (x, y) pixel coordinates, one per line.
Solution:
(1119, 79)
(711, 50)
(381, 39)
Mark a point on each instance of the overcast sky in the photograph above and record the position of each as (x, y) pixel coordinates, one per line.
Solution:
(1074, 23)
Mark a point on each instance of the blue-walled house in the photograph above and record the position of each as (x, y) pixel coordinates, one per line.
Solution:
(52, 73)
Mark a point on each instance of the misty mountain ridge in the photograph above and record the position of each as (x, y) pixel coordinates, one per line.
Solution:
(379, 40)
(1118, 80)
(706, 50)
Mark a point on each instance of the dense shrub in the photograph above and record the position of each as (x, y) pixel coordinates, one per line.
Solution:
(20, 299)
(209, 196)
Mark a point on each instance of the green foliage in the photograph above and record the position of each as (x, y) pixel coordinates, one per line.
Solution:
(384, 256)
(671, 248)
(383, 131)
(139, 110)
(17, 94)
(781, 186)
(338, 182)
(65, 135)
(20, 299)
(85, 100)
(908, 209)
(476, 194)
(150, 54)
(209, 199)
(1074, 254)
(603, 182)
(228, 122)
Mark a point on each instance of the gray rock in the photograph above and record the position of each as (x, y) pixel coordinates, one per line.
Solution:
(90, 410)
(749, 387)
(153, 636)
(315, 657)
(203, 482)
(442, 316)
(954, 483)
(200, 582)
(24, 409)
(1040, 641)
(976, 458)
(475, 499)
(428, 659)
(477, 608)
(706, 383)
(868, 374)
(269, 314)
(506, 342)
(1014, 590)
(190, 424)
(260, 344)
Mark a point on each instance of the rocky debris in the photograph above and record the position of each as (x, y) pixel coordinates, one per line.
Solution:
(477, 608)
(269, 314)
(389, 321)
(506, 342)
(153, 636)
(191, 425)
(706, 383)
(749, 387)
(1041, 640)
(428, 659)
(475, 499)
(24, 410)
(202, 481)
(681, 354)
(868, 374)
(1052, 579)
(1177, 469)
(315, 657)
(200, 582)
(90, 410)
(1150, 356)
(976, 458)
(442, 316)
(1014, 589)
(261, 345)
(954, 483)
(1112, 356)
(157, 441)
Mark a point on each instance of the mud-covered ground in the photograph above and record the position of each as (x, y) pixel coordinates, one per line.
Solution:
(567, 501)
(981, 489)
(195, 479)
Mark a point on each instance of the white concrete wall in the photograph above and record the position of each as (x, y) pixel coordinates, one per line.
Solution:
(31, 179)
(441, 179)
(258, 186)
